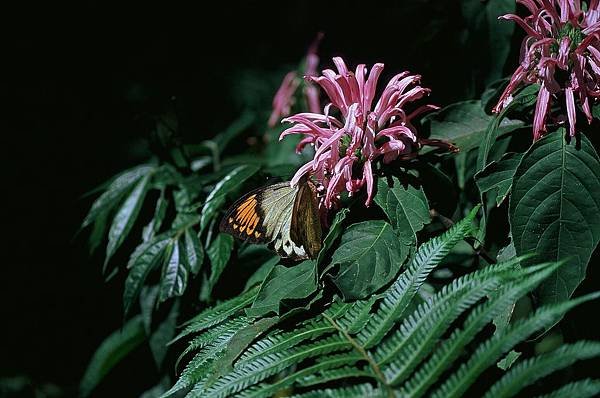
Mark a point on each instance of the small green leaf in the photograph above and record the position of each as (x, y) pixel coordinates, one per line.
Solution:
(497, 178)
(555, 210)
(463, 124)
(144, 261)
(283, 283)
(163, 334)
(175, 274)
(218, 253)
(369, 255)
(112, 350)
(125, 217)
(510, 358)
(154, 225)
(148, 296)
(405, 206)
(335, 230)
(216, 198)
(194, 252)
(121, 185)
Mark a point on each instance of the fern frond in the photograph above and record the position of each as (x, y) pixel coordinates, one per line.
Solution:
(418, 335)
(527, 372)
(279, 341)
(217, 314)
(211, 335)
(398, 296)
(479, 317)
(357, 315)
(359, 391)
(264, 366)
(267, 390)
(586, 388)
(199, 367)
(491, 350)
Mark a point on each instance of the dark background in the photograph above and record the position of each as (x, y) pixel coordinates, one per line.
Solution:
(83, 81)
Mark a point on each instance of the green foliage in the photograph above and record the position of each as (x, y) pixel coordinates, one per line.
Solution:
(393, 340)
(369, 256)
(405, 206)
(555, 209)
(284, 283)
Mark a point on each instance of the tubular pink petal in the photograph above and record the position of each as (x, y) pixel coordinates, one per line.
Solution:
(528, 29)
(370, 86)
(571, 110)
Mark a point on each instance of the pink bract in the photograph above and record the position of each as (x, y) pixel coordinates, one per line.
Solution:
(356, 128)
(561, 35)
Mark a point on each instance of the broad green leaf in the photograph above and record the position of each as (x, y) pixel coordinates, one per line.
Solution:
(497, 178)
(283, 283)
(175, 274)
(141, 265)
(154, 225)
(116, 189)
(162, 335)
(464, 124)
(218, 253)
(369, 256)
(555, 210)
(193, 251)
(405, 206)
(112, 350)
(125, 217)
(261, 273)
(216, 198)
(335, 230)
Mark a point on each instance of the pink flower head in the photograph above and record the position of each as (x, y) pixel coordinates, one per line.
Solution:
(353, 130)
(284, 97)
(561, 52)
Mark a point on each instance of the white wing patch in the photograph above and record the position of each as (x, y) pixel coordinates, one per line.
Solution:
(277, 205)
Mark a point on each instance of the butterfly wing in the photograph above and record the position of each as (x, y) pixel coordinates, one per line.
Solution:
(305, 226)
(265, 216)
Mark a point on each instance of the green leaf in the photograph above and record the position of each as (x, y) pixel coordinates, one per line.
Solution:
(125, 217)
(335, 230)
(175, 274)
(219, 252)
(283, 283)
(148, 296)
(144, 261)
(464, 123)
(162, 335)
(510, 358)
(121, 185)
(524, 99)
(405, 206)
(193, 251)
(555, 210)
(369, 255)
(216, 198)
(261, 273)
(154, 225)
(114, 348)
(497, 178)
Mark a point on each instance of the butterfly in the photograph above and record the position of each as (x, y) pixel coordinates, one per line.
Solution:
(284, 217)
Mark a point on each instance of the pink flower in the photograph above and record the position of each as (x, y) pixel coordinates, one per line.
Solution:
(284, 97)
(353, 130)
(561, 52)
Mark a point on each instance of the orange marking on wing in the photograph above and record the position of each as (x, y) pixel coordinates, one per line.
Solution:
(230, 220)
(252, 224)
(257, 235)
(247, 215)
(241, 216)
(249, 201)
(235, 226)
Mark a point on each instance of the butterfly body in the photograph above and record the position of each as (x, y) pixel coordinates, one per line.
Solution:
(284, 217)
